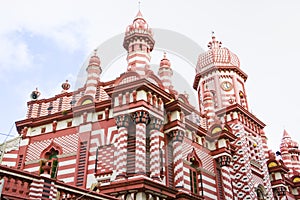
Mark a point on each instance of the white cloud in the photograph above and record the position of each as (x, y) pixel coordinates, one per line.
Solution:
(14, 54)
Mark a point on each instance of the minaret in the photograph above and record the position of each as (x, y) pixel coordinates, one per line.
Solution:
(219, 71)
(290, 153)
(209, 109)
(93, 75)
(220, 84)
(165, 72)
(139, 43)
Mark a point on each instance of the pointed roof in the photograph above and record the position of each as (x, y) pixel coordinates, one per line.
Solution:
(139, 15)
(286, 135)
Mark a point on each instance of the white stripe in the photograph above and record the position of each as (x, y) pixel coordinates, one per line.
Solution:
(208, 179)
(9, 164)
(209, 195)
(10, 155)
(33, 169)
(68, 162)
(67, 180)
(66, 171)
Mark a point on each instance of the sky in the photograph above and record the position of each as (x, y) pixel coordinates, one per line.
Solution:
(43, 43)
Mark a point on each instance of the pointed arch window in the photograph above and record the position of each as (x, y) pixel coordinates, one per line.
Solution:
(195, 173)
(49, 161)
(260, 192)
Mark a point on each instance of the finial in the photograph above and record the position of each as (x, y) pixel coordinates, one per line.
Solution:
(214, 43)
(139, 5)
(165, 61)
(65, 86)
(94, 60)
(35, 94)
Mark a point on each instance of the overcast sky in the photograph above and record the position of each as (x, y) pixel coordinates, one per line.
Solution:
(44, 43)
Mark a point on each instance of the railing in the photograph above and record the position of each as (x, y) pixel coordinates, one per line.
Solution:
(21, 185)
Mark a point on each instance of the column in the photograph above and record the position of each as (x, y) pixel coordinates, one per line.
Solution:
(141, 118)
(177, 138)
(224, 162)
(122, 122)
(155, 126)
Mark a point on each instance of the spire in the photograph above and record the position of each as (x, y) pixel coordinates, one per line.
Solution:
(286, 135)
(214, 44)
(139, 16)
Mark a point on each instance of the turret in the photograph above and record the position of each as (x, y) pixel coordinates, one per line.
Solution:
(290, 153)
(138, 43)
(93, 75)
(165, 72)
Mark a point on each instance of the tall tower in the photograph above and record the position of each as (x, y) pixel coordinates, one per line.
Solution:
(165, 72)
(290, 153)
(139, 43)
(220, 84)
(218, 70)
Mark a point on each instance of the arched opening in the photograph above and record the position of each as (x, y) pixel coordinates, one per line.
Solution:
(195, 173)
(49, 161)
(260, 192)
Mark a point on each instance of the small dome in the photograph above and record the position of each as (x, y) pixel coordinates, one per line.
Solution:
(217, 56)
(94, 60)
(165, 62)
(35, 94)
(66, 85)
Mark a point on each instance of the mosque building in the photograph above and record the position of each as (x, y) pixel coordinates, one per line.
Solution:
(137, 138)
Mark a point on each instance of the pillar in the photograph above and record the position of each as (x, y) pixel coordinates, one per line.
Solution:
(177, 138)
(224, 162)
(155, 126)
(121, 165)
(141, 119)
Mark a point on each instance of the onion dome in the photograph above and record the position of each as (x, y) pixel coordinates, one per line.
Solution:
(94, 60)
(165, 62)
(35, 94)
(217, 56)
(66, 85)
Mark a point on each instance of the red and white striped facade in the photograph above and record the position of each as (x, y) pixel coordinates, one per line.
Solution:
(136, 138)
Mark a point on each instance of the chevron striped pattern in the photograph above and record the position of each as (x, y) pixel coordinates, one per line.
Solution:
(226, 178)
(154, 154)
(121, 165)
(243, 183)
(178, 164)
(68, 144)
(265, 172)
(177, 137)
(140, 151)
(39, 188)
